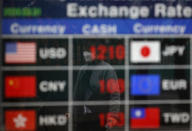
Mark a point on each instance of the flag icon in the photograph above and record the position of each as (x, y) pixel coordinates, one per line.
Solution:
(20, 86)
(145, 52)
(143, 85)
(20, 120)
(142, 118)
(20, 52)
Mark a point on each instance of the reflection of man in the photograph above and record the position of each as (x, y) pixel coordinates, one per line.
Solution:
(87, 88)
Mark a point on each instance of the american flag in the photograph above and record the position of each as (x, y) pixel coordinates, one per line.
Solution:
(20, 52)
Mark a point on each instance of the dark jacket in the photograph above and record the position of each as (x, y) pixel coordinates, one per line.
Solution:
(87, 88)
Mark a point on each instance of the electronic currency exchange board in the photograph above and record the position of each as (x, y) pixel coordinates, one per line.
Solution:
(146, 44)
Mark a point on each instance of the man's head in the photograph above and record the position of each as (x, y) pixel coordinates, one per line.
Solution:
(87, 56)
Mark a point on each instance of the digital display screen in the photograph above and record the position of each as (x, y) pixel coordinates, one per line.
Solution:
(109, 50)
(95, 65)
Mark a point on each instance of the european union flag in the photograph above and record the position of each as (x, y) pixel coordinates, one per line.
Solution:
(145, 85)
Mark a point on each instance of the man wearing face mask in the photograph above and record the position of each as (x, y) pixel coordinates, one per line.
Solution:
(87, 88)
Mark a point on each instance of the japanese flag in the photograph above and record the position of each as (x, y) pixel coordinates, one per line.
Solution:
(145, 52)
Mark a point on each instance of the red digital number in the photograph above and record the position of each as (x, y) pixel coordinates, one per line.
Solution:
(112, 86)
(103, 118)
(120, 52)
(114, 52)
(102, 50)
(93, 52)
(111, 52)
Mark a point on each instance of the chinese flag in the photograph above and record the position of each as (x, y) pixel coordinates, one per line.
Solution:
(144, 118)
(20, 120)
(20, 86)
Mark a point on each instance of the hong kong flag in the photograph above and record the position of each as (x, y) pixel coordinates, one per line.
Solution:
(20, 120)
(145, 118)
(20, 86)
(145, 52)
